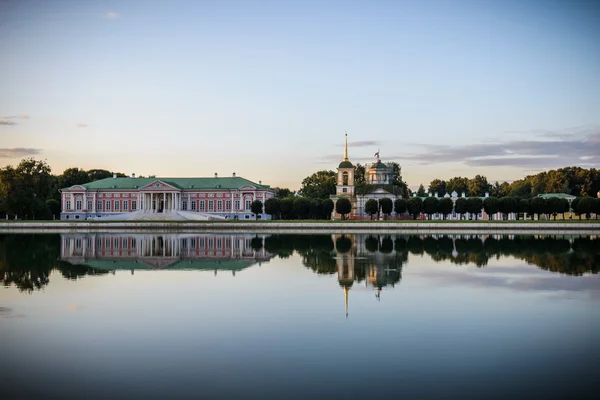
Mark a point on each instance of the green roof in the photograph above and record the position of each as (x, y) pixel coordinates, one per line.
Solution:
(561, 195)
(202, 264)
(346, 164)
(180, 183)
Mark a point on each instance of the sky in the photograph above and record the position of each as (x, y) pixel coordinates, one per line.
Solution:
(267, 89)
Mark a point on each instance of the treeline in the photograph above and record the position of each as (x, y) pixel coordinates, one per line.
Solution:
(574, 181)
(30, 190)
(293, 207)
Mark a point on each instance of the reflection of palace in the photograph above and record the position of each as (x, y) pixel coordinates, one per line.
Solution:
(173, 251)
(378, 267)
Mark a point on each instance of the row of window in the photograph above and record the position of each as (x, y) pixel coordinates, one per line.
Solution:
(124, 243)
(115, 205)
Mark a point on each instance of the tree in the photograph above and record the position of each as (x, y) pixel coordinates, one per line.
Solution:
(414, 206)
(256, 207)
(301, 207)
(286, 207)
(445, 206)
(343, 207)
(282, 193)
(538, 206)
(73, 176)
(53, 207)
(327, 207)
(359, 174)
(421, 191)
(386, 205)
(574, 206)
(97, 174)
(478, 186)
(555, 206)
(430, 206)
(474, 206)
(319, 185)
(437, 186)
(564, 207)
(272, 206)
(457, 184)
(491, 206)
(596, 207)
(460, 207)
(314, 210)
(371, 207)
(507, 205)
(523, 206)
(520, 188)
(400, 206)
(585, 206)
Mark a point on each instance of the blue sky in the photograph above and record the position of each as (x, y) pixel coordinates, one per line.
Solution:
(267, 89)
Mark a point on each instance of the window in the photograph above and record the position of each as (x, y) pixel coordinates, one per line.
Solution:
(219, 205)
(125, 205)
(211, 205)
(134, 204)
(237, 205)
(107, 243)
(201, 205)
(116, 243)
(124, 243)
(99, 204)
(98, 243)
(219, 243)
(78, 204)
(194, 205)
(107, 208)
(344, 190)
(68, 204)
(133, 243)
(228, 205)
(89, 205)
(117, 205)
(248, 202)
(210, 244)
(184, 205)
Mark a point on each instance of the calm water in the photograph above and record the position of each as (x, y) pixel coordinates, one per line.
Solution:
(298, 316)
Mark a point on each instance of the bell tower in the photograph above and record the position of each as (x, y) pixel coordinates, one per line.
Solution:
(345, 175)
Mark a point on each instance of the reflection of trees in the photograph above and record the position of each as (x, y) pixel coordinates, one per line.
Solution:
(27, 260)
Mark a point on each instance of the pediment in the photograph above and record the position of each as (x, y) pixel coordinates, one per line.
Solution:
(158, 185)
(380, 191)
(159, 262)
(77, 187)
(248, 187)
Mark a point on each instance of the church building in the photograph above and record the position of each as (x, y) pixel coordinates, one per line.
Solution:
(378, 177)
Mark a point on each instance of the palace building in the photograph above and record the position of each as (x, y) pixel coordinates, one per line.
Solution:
(134, 198)
(378, 177)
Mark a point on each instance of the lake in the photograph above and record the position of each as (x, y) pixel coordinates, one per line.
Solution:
(298, 316)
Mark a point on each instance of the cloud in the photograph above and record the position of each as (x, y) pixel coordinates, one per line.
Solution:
(552, 149)
(18, 152)
(80, 125)
(111, 15)
(3, 122)
(20, 116)
(363, 143)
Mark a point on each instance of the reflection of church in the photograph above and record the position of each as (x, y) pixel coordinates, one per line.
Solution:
(230, 252)
(378, 176)
(376, 268)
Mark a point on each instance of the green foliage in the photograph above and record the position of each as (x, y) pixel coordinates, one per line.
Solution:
(386, 205)
(414, 206)
(460, 206)
(585, 206)
(282, 193)
(301, 207)
(430, 206)
(256, 207)
(421, 191)
(538, 206)
(478, 186)
(507, 205)
(457, 184)
(286, 207)
(437, 186)
(327, 207)
(474, 206)
(400, 206)
(319, 185)
(343, 207)
(445, 206)
(73, 176)
(371, 207)
(272, 207)
(359, 174)
(491, 205)
(98, 174)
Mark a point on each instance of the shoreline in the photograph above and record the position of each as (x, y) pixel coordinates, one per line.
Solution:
(306, 227)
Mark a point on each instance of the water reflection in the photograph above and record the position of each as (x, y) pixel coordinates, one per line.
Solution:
(361, 261)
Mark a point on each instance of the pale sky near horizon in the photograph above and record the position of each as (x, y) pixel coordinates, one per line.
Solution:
(267, 89)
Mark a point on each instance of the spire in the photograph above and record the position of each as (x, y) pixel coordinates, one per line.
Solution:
(346, 298)
(346, 148)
